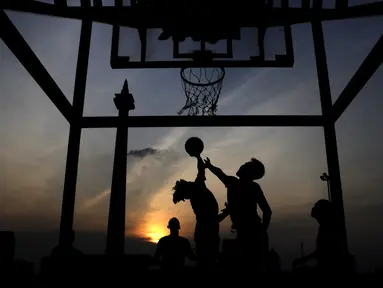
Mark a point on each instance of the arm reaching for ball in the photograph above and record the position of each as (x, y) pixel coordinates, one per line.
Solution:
(201, 171)
(224, 214)
(217, 172)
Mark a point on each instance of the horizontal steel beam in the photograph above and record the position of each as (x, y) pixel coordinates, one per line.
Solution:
(206, 121)
(126, 63)
(134, 16)
(20, 48)
(359, 80)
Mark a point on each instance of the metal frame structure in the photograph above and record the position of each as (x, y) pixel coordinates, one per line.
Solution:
(126, 16)
(188, 59)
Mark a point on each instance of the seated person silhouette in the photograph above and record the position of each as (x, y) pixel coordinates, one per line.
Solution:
(328, 253)
(66, 249)
(205, 207)
(243, 197)
(173, 249)
(64, 257)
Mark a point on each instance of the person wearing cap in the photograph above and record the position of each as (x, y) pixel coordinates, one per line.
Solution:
(173, 249)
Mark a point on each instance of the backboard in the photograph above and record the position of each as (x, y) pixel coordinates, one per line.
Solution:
(232, 46)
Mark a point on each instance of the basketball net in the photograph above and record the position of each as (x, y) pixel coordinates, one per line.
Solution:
(202, 88)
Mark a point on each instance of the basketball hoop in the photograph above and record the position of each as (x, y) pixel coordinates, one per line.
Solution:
(202, 88)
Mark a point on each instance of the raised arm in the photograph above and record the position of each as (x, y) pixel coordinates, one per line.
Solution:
(224, 214)
(201, 171)
(217, 172)
(262, 202)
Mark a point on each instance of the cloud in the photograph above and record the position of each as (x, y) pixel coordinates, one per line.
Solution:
(31, 194)
(143, 161)
(148, 171)
(29, 202)
(172, 138)
(142, 152)
(88, 203)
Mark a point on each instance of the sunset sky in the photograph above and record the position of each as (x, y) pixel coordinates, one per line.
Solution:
(34, 137)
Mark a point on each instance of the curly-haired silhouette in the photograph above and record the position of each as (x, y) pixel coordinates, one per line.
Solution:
(328, 254)
(244, 195)
(173, 249)
(205, 207)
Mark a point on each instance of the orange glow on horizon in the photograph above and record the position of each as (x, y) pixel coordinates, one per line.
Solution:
(154, 223)
(155, 233)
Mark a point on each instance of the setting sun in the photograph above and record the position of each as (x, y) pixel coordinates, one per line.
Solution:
(155, 221)
(156, 233)
(155, 236)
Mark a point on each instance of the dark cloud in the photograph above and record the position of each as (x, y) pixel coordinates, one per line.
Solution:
(143, 152)
(146, 176)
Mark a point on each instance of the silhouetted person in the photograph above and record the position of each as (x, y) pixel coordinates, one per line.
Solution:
(328, 253)
(66, 249)
(205, 207)
(7, 252)
(65, 258)
(173, 249)
(244, 195)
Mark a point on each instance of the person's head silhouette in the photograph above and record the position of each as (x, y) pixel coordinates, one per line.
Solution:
(182, 190)
(323, 211)
(252, 170)
(174, 225)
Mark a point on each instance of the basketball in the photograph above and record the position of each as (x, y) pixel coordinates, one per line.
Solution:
(194, 146)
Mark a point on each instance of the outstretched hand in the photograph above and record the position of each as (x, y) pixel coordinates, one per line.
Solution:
(207, 162)
(200, 164)
(226, 209)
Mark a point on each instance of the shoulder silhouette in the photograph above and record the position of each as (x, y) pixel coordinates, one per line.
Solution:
(172, 250)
